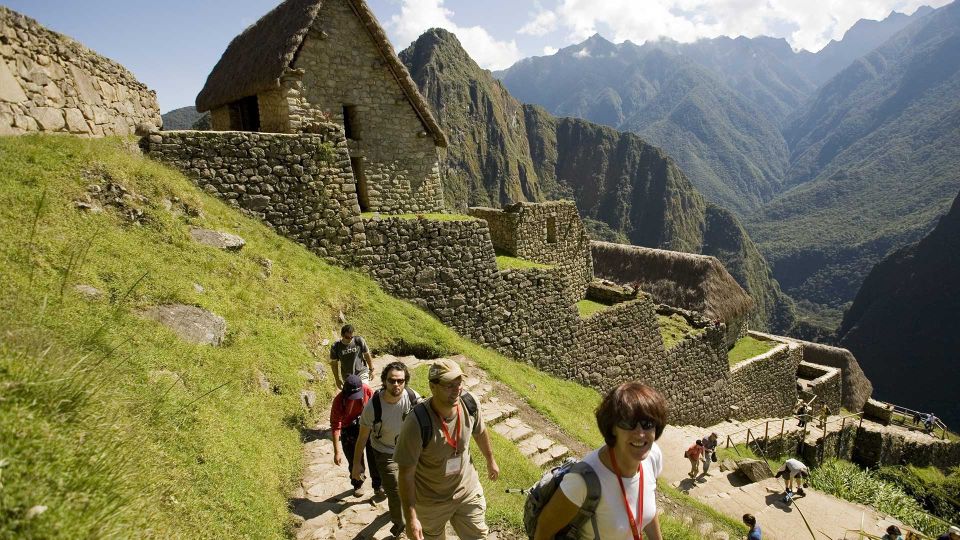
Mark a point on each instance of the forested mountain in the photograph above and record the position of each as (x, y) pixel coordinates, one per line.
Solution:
(905, 317)
(182, 118)
(730, 148)
(626, 189)
(874, 162)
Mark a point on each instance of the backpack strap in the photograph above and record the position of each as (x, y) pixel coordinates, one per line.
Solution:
(411, 397)
(377, 408)
(588, 510)
(424, 421)
(470, 403)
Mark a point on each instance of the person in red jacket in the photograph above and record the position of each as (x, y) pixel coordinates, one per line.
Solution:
(345, 428)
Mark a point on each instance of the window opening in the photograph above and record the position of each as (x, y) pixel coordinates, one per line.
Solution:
(551, 229)
(351, 127)
(363, 195)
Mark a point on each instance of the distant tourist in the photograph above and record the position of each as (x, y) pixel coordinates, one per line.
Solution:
(350, 355)
(930, 422)
(345, 428)
(709, 451)
(750, 521)
(803, 410)
(824, 415)
(694, 453)
(631, 417)
(953, 533)
(893, 533)
(794, 468)
(438, 482)
(382, 418)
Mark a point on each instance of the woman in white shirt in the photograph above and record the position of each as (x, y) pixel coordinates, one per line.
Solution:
(631, 417)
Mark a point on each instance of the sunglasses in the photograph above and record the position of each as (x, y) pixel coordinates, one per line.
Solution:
(397, 382)
(630, 425)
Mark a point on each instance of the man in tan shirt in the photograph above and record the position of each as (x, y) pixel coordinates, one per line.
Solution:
(438, 482)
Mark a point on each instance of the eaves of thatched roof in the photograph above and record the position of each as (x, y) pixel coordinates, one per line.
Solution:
(686, 280)
(257, 58)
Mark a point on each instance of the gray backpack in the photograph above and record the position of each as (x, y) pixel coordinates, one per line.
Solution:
(540, 494)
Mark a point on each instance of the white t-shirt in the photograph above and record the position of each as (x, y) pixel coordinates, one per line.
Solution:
(384, 437)
(612, 520)
(795, 467)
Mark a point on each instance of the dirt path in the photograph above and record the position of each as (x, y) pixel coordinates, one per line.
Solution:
(727, 492)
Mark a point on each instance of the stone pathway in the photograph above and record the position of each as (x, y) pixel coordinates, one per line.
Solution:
(324, 503)
(729, 493)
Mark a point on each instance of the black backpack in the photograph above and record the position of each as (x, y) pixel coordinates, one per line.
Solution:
(426, 422)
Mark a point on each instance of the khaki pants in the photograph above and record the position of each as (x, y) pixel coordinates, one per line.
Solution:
(389, 476)
(694, 467)
(466, 517)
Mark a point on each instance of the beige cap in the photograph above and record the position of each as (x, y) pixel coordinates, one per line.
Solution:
(444, 370)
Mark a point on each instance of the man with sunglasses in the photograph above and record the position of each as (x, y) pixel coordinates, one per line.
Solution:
(380, 421)
(438, 482)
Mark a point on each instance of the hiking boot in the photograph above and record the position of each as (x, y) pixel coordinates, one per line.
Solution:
(379, 493)
(359, 492)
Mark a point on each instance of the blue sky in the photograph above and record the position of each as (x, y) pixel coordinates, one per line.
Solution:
(171, 45)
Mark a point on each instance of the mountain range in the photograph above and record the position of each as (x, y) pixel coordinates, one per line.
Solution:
(501, 150)
(831, 159)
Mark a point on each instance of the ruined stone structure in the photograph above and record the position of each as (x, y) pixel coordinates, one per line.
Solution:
(50, 83)
(549, 233)
(337, 95)
(822, 384)
(308, 62)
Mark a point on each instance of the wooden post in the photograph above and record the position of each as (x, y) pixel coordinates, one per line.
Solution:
(766, 437)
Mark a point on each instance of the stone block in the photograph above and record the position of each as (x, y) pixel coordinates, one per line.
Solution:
(49, 118)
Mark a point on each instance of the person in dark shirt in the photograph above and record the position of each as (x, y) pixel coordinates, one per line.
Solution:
(750, 521)
(350, 356)
(952, 534)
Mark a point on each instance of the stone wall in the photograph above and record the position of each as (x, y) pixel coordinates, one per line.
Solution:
(301, 185)
(878, 446)
(51, 83)
(548, 233)
(341, 66)
(609, 293)
(824, 383)
(766, 385)
(539, 324)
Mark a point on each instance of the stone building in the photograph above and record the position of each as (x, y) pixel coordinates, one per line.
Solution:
(52, 84)
(309, 61)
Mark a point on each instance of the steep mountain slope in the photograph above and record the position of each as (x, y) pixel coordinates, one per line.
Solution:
(875, 159)
(905, 314)
(501, 150)
(730, 148)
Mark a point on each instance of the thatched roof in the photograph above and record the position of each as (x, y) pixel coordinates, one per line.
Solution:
(685, 280)
(257, 58)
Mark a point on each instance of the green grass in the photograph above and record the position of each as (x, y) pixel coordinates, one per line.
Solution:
(506, 262)
(741, 451)
(748, 347)
(587, 308)
(674, 328)
(848, 481)
(734, 527)
(431, 217)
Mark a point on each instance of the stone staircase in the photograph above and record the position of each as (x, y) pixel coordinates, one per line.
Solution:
(324, 505)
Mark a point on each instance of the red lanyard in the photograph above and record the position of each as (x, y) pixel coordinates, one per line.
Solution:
(634, 528)
(454, 443)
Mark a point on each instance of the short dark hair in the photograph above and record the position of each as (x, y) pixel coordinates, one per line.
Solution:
(748, 519)
(346, 329)
(631, 401)
(894, 530)
(395, 366)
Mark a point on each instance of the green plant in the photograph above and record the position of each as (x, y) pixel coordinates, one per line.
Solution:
(748, 347)
(587, 308)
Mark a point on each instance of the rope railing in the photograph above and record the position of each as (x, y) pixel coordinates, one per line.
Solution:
(917, 415)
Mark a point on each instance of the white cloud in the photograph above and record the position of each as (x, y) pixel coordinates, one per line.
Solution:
(805, 24)
(550, 51)
(417, 16)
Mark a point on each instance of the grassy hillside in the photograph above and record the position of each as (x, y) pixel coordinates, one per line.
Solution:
(94, 423)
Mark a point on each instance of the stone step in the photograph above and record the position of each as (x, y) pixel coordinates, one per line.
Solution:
(514, 429)
(551, 456)
(535, 445)
(494, 411)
